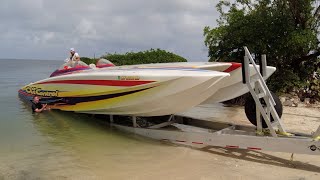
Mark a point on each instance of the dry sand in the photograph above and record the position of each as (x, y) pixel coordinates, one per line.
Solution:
(218, 163)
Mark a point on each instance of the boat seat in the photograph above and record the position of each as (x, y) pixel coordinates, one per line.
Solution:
(92, 66)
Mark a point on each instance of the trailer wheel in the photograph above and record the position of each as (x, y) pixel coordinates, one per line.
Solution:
(250, 109)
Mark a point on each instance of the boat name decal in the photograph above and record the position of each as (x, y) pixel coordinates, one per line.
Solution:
(41, 92)
(128, 78)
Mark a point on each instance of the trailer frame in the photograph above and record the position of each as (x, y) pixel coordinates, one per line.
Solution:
(190, 131)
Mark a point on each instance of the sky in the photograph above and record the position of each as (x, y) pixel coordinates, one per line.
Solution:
(47, 29)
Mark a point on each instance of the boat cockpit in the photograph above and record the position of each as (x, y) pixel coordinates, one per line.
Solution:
(71, 66)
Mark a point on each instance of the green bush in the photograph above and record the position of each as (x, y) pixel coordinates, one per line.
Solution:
(144, 57)
(88, 60)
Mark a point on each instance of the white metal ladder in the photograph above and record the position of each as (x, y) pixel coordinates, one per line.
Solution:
(261, 90)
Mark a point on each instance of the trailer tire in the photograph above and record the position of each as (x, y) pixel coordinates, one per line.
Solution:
(250, 109)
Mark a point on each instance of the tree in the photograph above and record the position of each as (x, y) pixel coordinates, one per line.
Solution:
(286, 30)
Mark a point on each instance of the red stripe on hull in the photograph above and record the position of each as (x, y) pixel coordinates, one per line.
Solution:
(100, 82)
(233, 67)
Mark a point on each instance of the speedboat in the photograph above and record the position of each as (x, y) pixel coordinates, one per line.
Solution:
(140, 90)
(125, 90)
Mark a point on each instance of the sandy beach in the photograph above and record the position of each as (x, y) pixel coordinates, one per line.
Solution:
(219, 163)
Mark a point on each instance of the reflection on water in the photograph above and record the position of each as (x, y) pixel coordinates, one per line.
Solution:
(67, 145)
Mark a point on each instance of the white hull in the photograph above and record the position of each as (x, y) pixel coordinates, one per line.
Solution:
(138, 92)
(229, 88)
(232, 86)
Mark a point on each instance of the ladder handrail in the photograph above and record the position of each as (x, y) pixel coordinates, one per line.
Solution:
(261, 87)
(259, 75)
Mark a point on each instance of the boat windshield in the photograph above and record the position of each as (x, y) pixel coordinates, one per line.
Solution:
(72, 64)
(104, 63)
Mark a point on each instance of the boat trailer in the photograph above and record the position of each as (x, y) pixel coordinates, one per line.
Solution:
(192, 131)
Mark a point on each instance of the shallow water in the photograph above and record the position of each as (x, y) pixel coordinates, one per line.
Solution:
(64, 145)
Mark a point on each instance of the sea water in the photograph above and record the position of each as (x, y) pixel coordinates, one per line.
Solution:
(66, 145)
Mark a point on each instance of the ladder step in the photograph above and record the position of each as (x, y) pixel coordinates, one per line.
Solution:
(275, 123)
(261, 95)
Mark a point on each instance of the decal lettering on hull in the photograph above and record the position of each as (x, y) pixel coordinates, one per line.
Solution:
(41, 92)
(128, 78)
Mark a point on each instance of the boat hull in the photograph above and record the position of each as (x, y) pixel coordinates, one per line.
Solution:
(231, 86)
(134, 92)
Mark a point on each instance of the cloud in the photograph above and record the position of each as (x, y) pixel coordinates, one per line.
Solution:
(44, 29)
